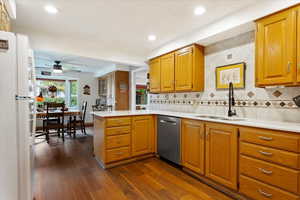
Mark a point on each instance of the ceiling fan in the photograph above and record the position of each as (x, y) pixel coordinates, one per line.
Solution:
(58, 67)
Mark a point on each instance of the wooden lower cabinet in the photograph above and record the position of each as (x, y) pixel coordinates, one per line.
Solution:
(269, 164)
(119, 140)
(142, 135)
(261, 191)
(222, 154)
(192, 140)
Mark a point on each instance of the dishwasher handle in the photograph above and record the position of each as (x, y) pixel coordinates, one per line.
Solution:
(168, 122)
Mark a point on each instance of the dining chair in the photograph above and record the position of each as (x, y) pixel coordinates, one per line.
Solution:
(55, 113)
(75, 123)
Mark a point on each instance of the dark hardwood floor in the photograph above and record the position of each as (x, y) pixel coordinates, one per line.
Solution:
(69, 172)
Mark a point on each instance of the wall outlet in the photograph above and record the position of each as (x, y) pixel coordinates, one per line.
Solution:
(229, 56)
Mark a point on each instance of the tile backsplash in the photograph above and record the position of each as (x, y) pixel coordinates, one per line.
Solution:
(271, 104)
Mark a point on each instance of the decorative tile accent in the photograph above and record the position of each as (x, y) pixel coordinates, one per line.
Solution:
(185, 99)
(267, 103)
(277, 93)
(212, 95)
(282, 104)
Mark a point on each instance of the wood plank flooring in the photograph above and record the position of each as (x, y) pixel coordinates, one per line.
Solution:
(69, 172)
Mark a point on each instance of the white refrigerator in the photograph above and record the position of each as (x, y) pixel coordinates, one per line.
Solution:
(17, 118)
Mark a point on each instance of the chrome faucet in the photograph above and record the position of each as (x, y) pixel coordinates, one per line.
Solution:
(231, 101)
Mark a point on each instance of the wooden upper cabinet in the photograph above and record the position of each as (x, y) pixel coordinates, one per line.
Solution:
(298, 44)
(222, 154)
(155, 75)
(142, 135)
(167, 65)
(189, 69)
(193, 134)
(276, 49)
(184, 69)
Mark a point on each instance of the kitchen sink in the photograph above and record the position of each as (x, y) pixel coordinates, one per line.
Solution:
(220, 117)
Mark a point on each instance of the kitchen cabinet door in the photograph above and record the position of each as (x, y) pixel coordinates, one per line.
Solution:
(193, 150)
(155, 75)
(221, 154)
(298, 45)
(184, 69)
(142, 135)
(276, 49)
(167, 64)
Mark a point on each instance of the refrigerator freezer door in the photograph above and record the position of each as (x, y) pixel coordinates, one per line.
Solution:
(8, 123)
(25, 115)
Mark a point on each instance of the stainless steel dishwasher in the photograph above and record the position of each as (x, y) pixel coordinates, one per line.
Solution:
(168, 138)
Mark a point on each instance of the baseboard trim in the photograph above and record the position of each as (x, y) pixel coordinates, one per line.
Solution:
(122, 162)
(89, 124)
(220, 188)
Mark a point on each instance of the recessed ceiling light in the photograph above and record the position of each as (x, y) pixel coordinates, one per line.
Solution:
(199, 10)
(51, 9)
(151, 37)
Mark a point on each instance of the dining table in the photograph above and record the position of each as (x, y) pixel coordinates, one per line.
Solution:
(70, 113)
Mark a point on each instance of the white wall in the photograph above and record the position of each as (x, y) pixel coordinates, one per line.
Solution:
(86, 78)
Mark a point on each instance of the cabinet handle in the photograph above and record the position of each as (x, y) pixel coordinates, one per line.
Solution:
(289, 67)
(265, 153)
(119, 153)
(207, 135)
(264, 193)
(265, 138)
(265, 171)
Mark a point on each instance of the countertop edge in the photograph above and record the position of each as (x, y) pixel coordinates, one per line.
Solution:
(283, 126)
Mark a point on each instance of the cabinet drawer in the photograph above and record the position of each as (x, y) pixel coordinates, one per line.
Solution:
(118, 121)
(271, 138)
(282, 177)
(280, 157)
(117, 154)
(117, 141)
(118, 130)
(260, 191)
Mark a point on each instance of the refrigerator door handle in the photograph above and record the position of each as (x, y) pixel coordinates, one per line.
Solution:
(20, 98)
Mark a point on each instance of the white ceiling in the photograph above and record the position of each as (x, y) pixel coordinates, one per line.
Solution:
(45, 60)
(116, 27)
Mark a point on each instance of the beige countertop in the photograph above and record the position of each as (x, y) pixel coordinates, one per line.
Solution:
(275, 125)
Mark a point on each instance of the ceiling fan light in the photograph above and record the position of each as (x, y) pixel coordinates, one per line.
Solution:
(57, 71)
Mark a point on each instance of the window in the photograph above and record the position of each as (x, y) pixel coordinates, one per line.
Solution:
(73, 93)
(66, 95)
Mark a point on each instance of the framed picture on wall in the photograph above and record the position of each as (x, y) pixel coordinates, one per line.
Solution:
(234, 73)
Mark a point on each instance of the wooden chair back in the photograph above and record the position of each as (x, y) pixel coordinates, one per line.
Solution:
(83, 110)
(55, 111)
